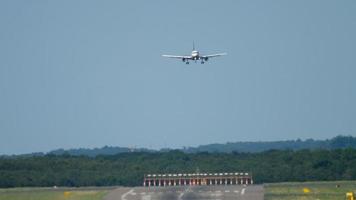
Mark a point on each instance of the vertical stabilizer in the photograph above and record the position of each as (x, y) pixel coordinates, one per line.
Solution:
(193, 46)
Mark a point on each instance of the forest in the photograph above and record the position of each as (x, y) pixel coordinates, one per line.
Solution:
(333, 143)
(128, 169)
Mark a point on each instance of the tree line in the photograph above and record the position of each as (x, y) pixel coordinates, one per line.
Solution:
(128, 169)
(333, 143)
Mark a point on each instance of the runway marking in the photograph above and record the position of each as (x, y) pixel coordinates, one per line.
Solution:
(243, 191)
(227, 190)
(143, 193)
(123, 197)
(180, 197)
(236, 191)
(146, 197)
(217, 194)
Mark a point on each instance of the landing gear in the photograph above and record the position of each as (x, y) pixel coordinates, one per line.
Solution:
(202, 62)
(187, 63)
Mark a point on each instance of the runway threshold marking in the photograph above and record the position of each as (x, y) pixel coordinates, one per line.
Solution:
(182, 194)
(146, 197)
(123, 197)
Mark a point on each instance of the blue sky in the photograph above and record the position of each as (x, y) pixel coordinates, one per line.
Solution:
(89, 73)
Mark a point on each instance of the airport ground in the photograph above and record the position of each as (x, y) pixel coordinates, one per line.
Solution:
(328, 190)
(60, 193)
(277, 191)
(216, 192)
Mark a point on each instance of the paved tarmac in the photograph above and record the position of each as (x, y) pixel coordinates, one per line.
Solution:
(239, 192)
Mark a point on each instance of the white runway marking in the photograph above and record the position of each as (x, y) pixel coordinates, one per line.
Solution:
(143, 193)
(180, 197)
(236, 191)
(123, 197)
(227, 190)
(217, 194)
(243, 191)
(146, 197)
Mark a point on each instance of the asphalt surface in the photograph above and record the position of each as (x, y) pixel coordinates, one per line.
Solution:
(240, 192)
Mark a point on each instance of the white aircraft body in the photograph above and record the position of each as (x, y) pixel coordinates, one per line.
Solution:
(195, 56)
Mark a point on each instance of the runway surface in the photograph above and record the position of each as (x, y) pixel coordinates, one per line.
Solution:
(251, 192)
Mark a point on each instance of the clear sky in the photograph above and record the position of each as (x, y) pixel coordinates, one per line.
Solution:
(90, 73)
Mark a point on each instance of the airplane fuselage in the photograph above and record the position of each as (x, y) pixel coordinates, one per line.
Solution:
(195, 56)
(195, 53)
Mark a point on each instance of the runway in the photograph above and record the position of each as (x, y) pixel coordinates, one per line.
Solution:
(251, 192)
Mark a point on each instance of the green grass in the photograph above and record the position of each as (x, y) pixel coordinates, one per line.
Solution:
(53, 194)
(318, 190)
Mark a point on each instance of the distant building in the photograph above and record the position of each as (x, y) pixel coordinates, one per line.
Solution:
(237, 178)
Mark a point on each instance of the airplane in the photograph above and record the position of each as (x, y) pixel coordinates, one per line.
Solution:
(195, 56)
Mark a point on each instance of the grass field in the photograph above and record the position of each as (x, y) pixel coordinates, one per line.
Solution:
(53, 194)
(309, 190)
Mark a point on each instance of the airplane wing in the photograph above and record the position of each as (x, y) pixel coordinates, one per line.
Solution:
(179, 57)
(213, 55)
